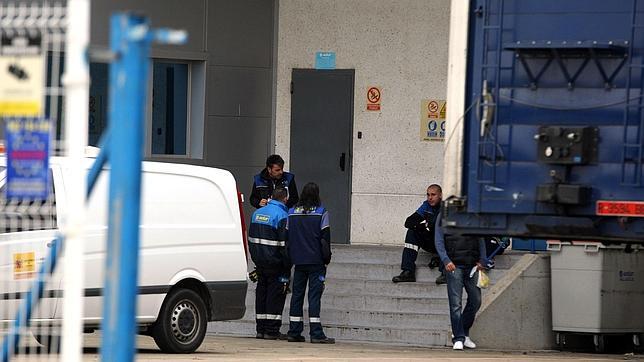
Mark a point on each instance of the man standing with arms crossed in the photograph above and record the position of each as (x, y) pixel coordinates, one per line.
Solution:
(271, 178)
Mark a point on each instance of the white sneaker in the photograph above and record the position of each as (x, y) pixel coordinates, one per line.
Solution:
(468, 343)
(458, 345)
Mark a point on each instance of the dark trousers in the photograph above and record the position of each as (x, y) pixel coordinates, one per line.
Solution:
(314, 275)
(269, 300)
(413, 243)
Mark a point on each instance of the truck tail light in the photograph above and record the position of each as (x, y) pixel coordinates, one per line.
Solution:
(620, 208)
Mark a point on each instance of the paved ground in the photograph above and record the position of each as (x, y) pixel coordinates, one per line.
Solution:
(217, 348)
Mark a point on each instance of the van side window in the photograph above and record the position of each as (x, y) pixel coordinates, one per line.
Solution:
(25, 215)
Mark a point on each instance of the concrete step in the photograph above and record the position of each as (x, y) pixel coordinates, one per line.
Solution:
(377, 303)
(378, 254)
(360, 303)
(384, 273)
(415, 337)
(421, 289)
(369, 311)
(384, 288)
(370, 318)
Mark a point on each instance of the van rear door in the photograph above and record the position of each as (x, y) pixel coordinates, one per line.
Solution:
(26, 233)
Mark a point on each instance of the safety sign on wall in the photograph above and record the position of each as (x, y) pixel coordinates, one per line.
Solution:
(325, 60)
(27, 145)
(24, 265)
(373, 98)
(21, 72)
(432, 119)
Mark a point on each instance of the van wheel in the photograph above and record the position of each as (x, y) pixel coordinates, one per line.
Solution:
(181, 325)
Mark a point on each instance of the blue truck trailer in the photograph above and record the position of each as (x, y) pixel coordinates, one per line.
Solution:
(545, 120)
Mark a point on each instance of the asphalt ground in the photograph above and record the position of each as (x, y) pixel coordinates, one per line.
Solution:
(221, 348)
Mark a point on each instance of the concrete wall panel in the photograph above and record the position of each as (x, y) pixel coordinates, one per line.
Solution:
(235, 141)
(235, 91)
(399, 46)
(239, 33)
(188, 15)
(380, 218)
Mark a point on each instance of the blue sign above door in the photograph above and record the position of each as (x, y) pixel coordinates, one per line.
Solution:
(325, 60)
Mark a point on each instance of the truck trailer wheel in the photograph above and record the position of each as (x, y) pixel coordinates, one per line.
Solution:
(181, 324)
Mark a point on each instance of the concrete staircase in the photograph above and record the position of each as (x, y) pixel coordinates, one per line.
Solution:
(360, 303)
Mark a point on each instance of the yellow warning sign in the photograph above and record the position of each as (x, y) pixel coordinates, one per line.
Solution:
(24, 265)
(432, 119)
(21, 74)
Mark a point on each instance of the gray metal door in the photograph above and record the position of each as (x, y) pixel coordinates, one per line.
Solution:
(321, 136)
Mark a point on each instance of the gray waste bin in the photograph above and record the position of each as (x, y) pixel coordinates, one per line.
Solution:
(597, 289)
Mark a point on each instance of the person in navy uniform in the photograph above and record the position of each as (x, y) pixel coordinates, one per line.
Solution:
(310, 250)
(272, 177)
(267, 238)
(420, 234)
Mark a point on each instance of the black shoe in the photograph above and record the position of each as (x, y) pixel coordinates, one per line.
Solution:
(441, 279)
(325, 340)
(259, 335)
(296, 339)
(405, 276)
(434, 262)
(283, 337)
(273, 337)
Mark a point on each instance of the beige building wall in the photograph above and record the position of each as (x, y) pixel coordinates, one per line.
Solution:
(399, 46)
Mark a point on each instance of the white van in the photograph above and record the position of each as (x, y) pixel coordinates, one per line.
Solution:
(193, 260)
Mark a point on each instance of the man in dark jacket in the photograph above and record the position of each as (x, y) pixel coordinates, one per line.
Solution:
(267, 245)
(272, 177)
(420, 234)
(460, 255)
(310, 251)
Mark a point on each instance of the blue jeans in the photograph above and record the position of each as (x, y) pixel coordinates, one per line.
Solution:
(314, 275)
(462, 319)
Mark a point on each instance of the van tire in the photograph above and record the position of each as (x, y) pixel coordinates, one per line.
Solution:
(182, 322)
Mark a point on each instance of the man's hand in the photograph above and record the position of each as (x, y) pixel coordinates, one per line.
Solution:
(263, 202)
(479, 266)
(253, 276)
(450, 267)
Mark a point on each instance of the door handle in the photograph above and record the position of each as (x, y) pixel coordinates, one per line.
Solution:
(343, 159)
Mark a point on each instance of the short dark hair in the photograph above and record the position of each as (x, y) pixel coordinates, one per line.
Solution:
(279, 194)
(436, 186)
(274, 160)
(310, 196)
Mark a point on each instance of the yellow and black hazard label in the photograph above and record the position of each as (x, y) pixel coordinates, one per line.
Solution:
(24, 265)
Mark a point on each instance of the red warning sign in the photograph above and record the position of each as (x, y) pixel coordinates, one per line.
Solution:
(433, 109)
(373, 99)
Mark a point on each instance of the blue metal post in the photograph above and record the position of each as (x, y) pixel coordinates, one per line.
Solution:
(128, 78)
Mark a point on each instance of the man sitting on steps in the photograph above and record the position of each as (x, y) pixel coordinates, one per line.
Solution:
(420, 234)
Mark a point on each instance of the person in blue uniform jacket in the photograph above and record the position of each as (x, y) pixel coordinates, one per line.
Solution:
(267, 238)
(271, 178)
(420, 235)
(310, 252)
